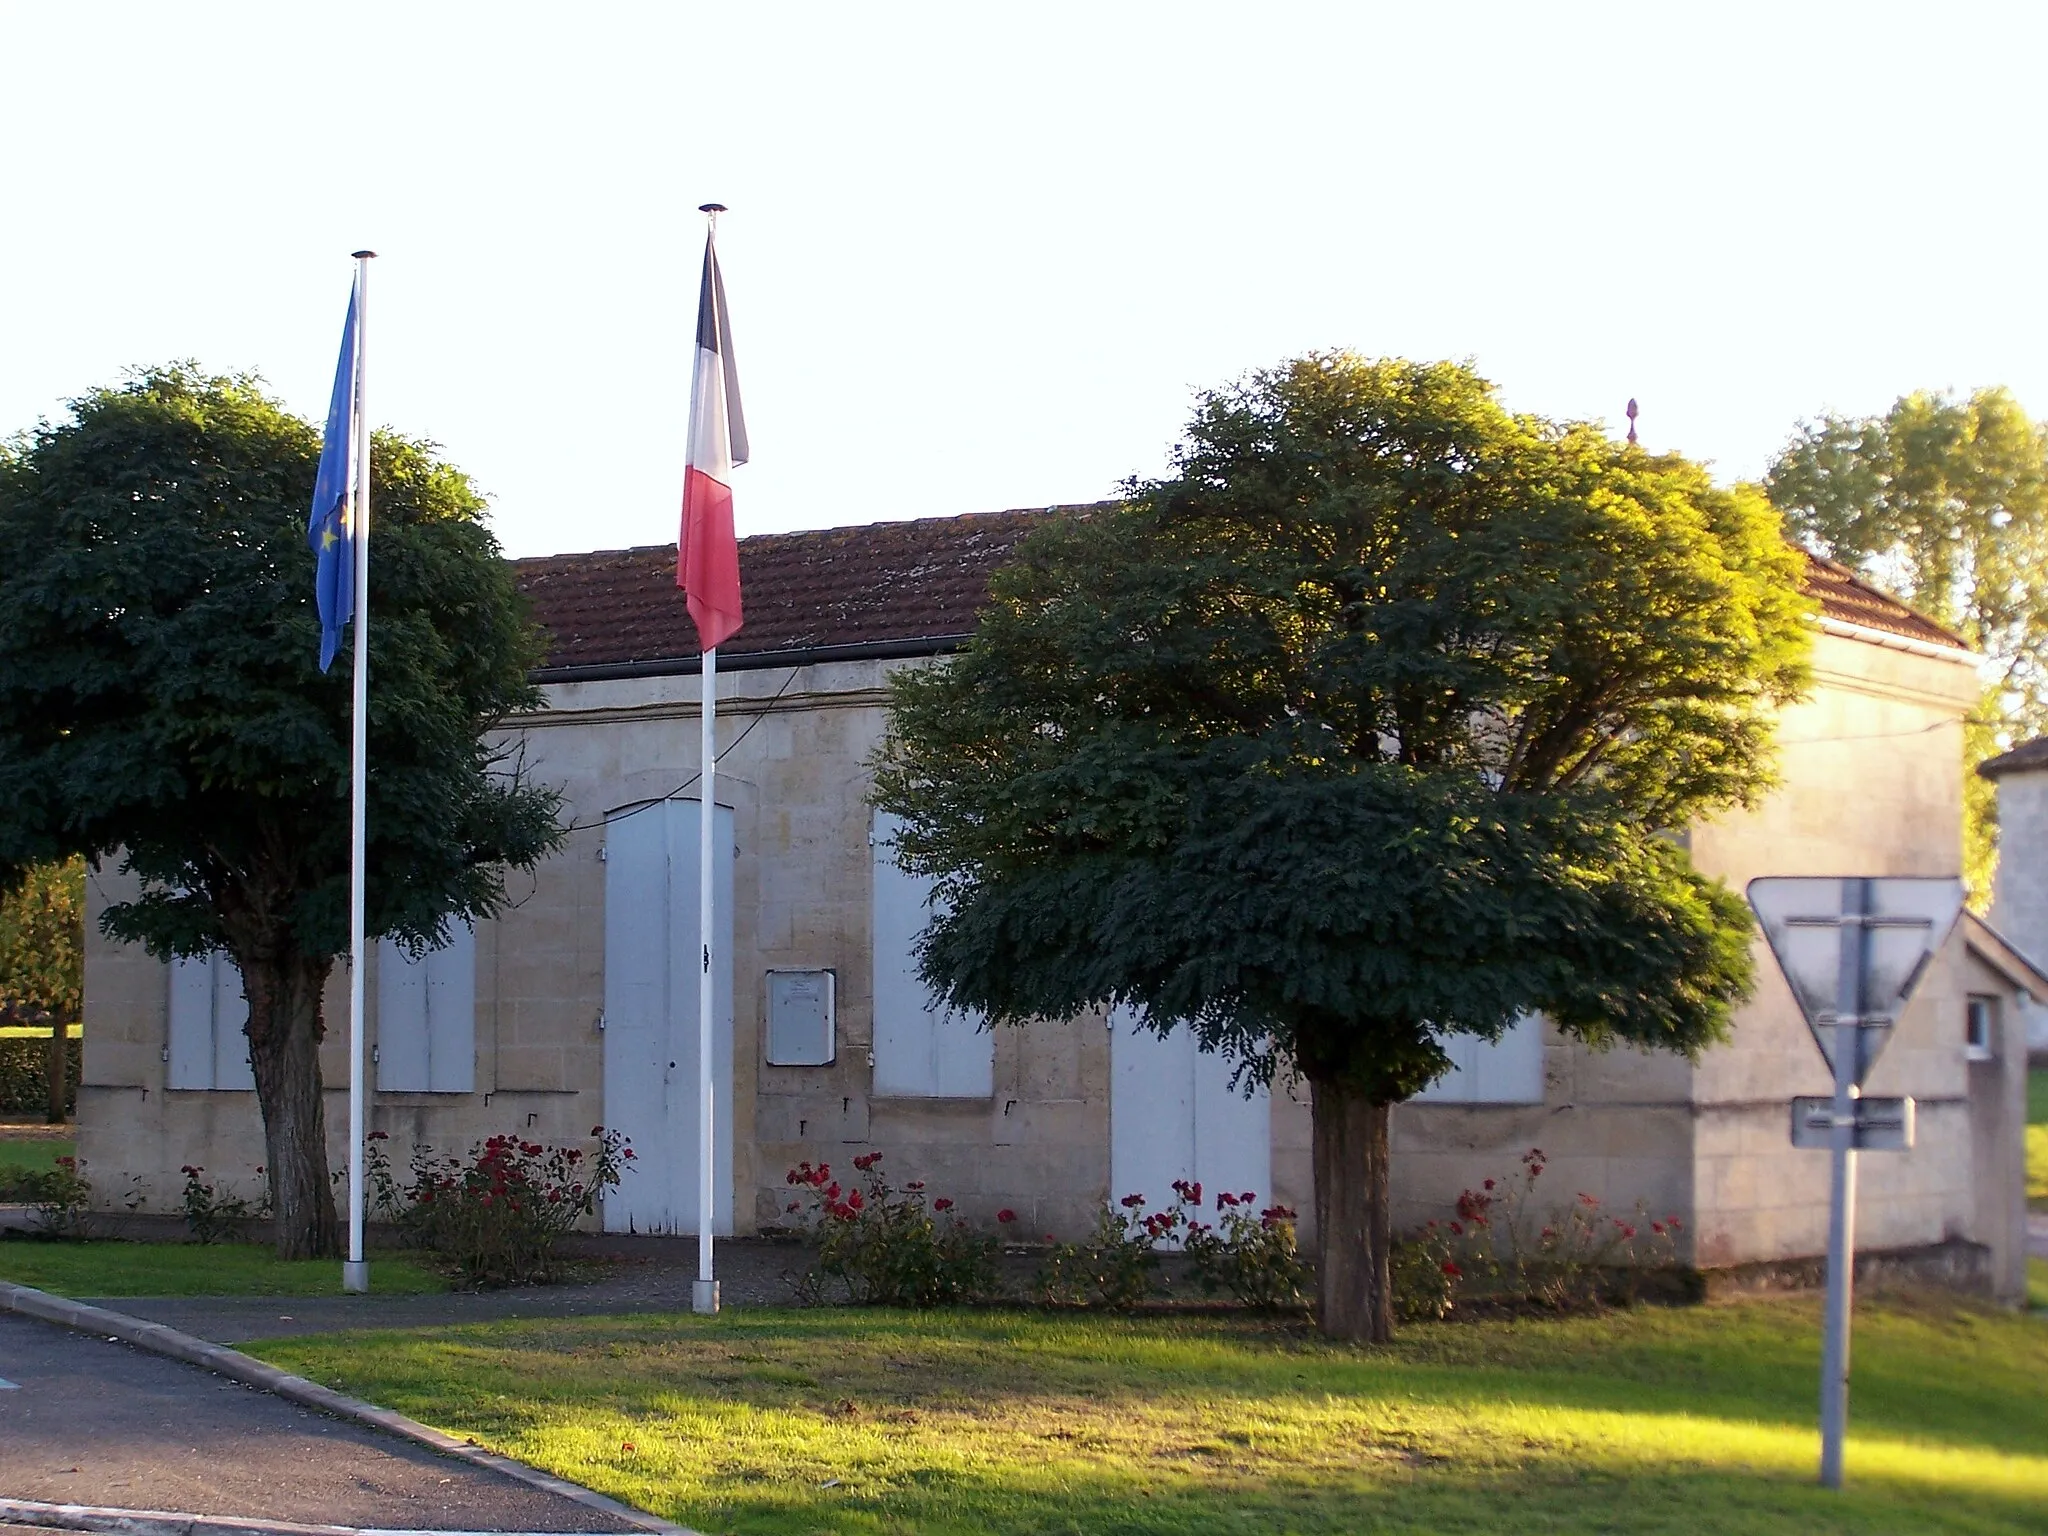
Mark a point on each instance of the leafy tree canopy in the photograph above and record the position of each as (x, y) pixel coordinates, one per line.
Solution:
(1363, 727)
(1944, 501)
(160, 698)
(42, 961)
(159, 687)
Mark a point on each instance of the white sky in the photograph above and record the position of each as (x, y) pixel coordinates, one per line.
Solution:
(981, 258)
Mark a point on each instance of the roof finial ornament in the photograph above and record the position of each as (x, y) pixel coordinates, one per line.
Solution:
(1631, 419)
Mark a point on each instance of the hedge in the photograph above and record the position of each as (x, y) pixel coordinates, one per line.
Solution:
(24, 1074)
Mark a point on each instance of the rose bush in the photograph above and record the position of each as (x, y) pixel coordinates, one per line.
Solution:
(212, 1209)
(881, 1246)
(1116, 1265)
(1503, 1244)
(1252, 1255)
(60, 1195)
(497, 1214)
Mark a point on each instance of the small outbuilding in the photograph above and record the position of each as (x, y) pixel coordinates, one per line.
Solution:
(2020, 898)
(578, 1005)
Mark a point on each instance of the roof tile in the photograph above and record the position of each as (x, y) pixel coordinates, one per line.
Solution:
(1848, 597)
(883, 583)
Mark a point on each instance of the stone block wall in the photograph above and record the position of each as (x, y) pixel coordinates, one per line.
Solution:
(1872, 786)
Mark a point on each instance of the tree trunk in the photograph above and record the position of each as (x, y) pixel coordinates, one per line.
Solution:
(59, 1073)
(285, 1030)
(1354, 1214)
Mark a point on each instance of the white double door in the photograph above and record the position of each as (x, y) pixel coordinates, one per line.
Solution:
(651, 968)
(1173, 1114)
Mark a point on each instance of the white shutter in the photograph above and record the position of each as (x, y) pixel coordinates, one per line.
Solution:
(1173, 1114)
(401, 1021)
(1504, 1071)
(426, 1016)
(651, 975)
(923, 1049)
(209, 1047)
(451, 1013)
(191, 1023)
(231, 1068)
(637, 1008)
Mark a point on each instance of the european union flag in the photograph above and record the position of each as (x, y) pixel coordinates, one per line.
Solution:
(327, 530)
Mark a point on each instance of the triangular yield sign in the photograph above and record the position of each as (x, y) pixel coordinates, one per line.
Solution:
(1895, 923)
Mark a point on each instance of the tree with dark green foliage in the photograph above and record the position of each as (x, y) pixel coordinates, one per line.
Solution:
(1944, 501)
(161, 705)
(1368, 726)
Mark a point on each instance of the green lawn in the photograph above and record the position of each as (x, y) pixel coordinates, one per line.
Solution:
(32, 1153)
(1681, 1420)
(189, 1269)
(2037, 1284)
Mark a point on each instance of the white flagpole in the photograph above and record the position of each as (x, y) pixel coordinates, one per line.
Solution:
(355, 1273)
(704, 1295)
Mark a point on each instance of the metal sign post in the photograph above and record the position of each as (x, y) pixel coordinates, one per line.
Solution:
(1852, 950)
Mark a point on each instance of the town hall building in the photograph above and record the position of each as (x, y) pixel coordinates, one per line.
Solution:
(579, 1004)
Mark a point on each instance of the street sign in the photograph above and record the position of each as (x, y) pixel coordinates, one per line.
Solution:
(1880, 1125)
(1819, 926)
(1852, 950)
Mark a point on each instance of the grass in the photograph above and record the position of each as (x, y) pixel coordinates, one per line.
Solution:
(788, 1423)
(190, 1269)
(32, 1154)
(2037, 1284)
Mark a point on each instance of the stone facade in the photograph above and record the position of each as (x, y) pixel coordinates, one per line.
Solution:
(2019, 904)
(1871, 770)
(1871, 784)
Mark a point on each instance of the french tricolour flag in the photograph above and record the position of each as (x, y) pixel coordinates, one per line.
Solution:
(707, 555)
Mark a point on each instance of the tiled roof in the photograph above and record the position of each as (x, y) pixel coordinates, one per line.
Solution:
(867, 586)
(883, 588)
(1849, 598)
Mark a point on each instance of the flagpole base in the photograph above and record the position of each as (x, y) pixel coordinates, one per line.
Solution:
(355, 1276)
(704, 1297)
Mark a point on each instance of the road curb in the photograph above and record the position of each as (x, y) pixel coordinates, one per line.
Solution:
(165, 1522)
(247, 1369)
(149, 1522)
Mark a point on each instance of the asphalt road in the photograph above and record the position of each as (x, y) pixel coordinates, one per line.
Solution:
(88, 1421)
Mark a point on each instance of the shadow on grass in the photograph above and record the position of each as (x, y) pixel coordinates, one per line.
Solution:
(1929, 1369)
(854, 1421)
